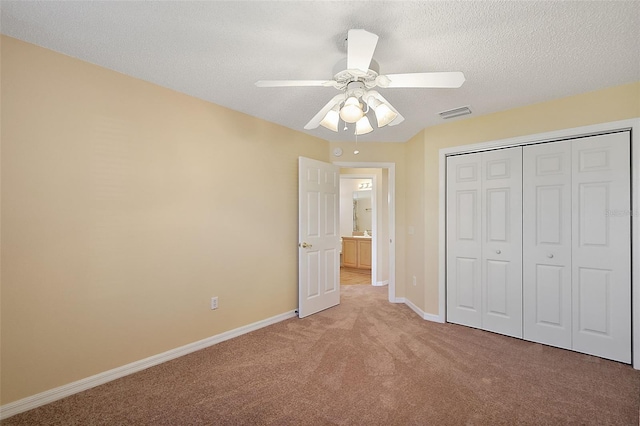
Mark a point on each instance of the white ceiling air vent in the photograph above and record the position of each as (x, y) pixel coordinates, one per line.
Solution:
(456, 112)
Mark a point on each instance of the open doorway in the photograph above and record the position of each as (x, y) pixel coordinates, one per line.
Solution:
(358, 215)
(383, 217)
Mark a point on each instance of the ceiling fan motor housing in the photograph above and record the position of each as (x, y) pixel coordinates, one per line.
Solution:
(356, 89)
(343, 77)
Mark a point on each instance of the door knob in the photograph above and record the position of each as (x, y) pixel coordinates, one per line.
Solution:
(305, 245)
(550, 256)
(498, 252)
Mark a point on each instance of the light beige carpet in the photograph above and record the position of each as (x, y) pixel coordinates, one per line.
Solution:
(365, 362)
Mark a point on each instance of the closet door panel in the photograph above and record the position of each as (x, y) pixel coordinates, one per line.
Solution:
(464, 240)
(547, 243)
(497, 286)
(601, 223)
(502, 241)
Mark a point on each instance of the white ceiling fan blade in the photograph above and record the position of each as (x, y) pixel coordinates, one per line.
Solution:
(315, 121)
(399, 119)
(295, 83)
(360, 47)
(426, 79)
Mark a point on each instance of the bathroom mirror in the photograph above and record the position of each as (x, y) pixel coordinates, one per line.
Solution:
(362, 211)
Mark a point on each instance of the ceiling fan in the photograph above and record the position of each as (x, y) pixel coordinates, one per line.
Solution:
(356, 83)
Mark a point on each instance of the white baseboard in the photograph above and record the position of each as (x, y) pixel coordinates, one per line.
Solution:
(420, 312)
(381, 283)
(51, 395)
(433, 318)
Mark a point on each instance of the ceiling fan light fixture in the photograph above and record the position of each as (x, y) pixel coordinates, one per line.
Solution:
(384, 115)
(352, 110)
(355, 76)
(331, 120)
(363, 126)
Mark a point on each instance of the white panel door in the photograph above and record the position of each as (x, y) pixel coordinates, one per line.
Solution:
(464, 239)
(546, 243)
(502, 241)
(601, 241)
(319, 236)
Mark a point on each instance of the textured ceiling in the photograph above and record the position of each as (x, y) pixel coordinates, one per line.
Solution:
(512, 53)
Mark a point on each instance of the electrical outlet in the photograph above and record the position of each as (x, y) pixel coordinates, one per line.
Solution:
(214, 302)
(414, 280)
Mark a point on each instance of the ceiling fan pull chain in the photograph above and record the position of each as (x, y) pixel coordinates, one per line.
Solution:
(356, 151)
(345, 99)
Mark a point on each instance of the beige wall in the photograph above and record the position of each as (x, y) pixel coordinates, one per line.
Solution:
(414, 219)
(616, 103)
(125, 208)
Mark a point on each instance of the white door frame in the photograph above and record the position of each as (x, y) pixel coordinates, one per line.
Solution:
(631, 124)
(374, 220)
(392, 217)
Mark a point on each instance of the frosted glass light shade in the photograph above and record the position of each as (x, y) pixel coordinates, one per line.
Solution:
(384, 115)
(351, 111)
(363, 126)
(330, 121)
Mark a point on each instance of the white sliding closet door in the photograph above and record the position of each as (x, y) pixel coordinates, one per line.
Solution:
(502, 241)
(547, 243)
(601, 226)
(464, 249)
